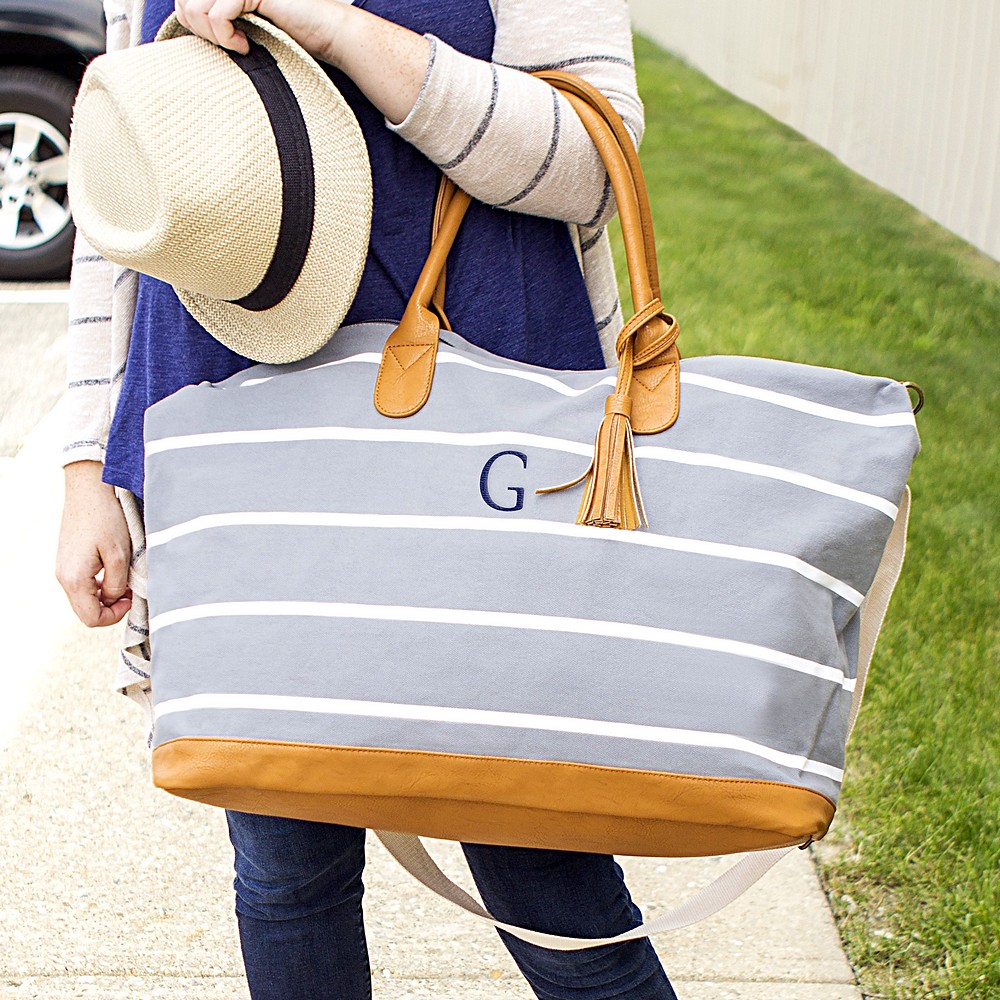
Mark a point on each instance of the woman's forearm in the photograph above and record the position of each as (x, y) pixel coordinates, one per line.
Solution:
(386, 61)
(501, 135)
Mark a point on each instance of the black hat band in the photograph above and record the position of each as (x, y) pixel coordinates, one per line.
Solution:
(298, 180)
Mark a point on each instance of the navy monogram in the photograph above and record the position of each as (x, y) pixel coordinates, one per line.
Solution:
(518, 491)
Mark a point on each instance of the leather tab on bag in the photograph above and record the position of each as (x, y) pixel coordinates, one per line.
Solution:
(655, 392)
(406, 372)
(656, 377)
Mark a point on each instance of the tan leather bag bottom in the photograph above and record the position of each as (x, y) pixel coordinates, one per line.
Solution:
(576, 807)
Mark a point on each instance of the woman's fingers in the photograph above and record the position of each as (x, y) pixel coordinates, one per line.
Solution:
(95, 550)
(314, 24)
(221, 18)
(98, 597)
(82, 594)
(89, 602)
(213, 19)
(113, 609)
(114, 580)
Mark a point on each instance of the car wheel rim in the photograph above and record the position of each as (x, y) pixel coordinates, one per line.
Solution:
(34, 162)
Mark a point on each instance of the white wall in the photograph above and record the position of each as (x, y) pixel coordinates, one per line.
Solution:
(905, 92)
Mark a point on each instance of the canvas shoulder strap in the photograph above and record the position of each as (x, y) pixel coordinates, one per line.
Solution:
(410, 852)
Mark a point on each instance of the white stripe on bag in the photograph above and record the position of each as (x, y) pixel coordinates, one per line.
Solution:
(446, 358)
(281, 435)
(419, 522)
(898, 419)
(706, 460)
(479, 438)
(481, 717)
(372, 359)
(500, 619)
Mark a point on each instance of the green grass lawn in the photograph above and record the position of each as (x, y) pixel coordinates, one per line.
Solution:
(769, 246)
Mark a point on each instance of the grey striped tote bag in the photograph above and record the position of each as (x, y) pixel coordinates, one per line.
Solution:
(380, 620)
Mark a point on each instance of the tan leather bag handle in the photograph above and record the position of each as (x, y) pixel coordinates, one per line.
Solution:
(568, 83)
(647, 393)
(445, 190)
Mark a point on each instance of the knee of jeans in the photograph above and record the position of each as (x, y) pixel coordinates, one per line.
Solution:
(287, 869)
(631, 969)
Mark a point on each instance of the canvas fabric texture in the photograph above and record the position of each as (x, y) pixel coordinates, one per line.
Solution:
(424, 598)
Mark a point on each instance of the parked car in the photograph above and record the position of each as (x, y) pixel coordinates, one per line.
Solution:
(44, 47)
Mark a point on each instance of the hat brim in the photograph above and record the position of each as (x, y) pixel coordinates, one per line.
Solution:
(314, 308)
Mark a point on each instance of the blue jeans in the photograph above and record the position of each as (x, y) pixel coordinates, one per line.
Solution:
(298, 906)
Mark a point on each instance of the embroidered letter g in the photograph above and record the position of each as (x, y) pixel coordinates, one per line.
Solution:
(484, 482)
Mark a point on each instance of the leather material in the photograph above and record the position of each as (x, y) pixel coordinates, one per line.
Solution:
(542, 804)
(655, 392)
(612, 498)
(407, 370)
(650, 372)
(568, 83)
(651, 331)
(441, 203)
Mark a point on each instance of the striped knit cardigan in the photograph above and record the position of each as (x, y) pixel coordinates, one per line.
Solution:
(504, 136)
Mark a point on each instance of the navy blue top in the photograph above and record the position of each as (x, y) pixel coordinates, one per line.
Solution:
(514, 284)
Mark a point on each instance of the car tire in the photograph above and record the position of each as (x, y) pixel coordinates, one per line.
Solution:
(40, 103)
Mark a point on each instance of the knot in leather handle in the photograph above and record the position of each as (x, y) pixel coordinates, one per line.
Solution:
(653, 331)
(618, 403)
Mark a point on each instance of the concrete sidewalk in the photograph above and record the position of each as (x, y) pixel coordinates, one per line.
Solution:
(112, 889)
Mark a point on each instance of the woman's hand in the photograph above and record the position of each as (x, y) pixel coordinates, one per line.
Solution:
(213, 19)
(386, 61)
(95, 550)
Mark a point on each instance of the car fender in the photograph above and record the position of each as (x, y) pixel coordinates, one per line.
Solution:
(75, 24)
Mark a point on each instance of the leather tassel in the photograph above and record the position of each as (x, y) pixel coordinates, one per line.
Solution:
(611, 495)
(612, 498)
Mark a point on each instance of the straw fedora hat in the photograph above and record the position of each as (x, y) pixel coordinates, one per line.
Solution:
(243, 181)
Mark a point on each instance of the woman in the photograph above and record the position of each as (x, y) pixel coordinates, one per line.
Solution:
(436, 85)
